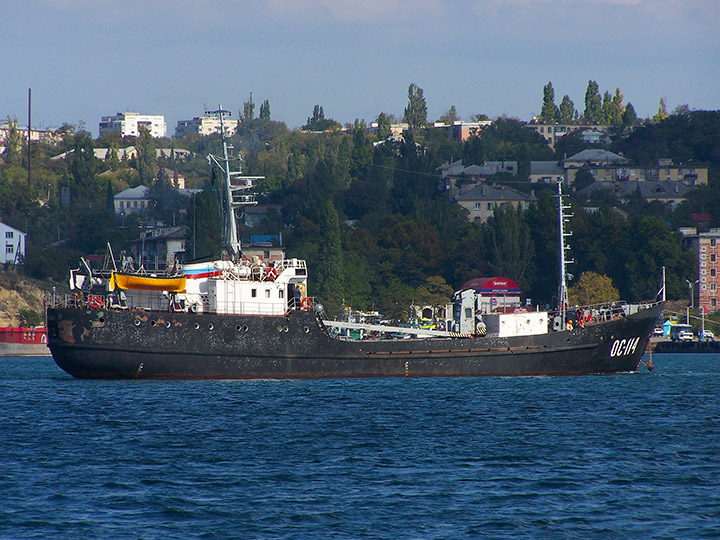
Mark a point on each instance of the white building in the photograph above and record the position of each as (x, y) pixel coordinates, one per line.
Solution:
(14, 248)
(205, 125)
(129, 124)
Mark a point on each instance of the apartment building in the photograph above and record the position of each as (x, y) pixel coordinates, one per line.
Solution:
(130, 123)
(706, 247)
(205, 125)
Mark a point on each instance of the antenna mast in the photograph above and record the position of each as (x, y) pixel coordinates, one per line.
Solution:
(233, 193)
(563, 218)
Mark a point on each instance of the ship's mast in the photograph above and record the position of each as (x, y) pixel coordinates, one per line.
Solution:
(233, 192)
(563, 218)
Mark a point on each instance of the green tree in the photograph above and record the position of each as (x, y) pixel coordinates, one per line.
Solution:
(329, 273)
(248, 112)
(549, 113)
(13, 143)
(662, 112)
(416, 111)
(82, 164)
(450, 117)
(511, 245)
(384, 127)
(592, 288)
(567, 112)
(318, 122)
(629, 117)
(265, 110)
(147, 164)
(203, 222)
(593, 104)
(616, 109)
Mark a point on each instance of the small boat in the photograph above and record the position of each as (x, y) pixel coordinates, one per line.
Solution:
(147, 282)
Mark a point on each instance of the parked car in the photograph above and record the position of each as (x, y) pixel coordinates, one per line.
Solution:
(706, 335)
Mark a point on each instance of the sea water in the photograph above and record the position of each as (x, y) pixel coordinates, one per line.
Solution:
(621, 456)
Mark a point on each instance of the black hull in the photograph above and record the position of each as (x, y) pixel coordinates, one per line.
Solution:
(137, 344)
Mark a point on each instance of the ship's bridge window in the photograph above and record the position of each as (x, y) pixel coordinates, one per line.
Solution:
(281, 293)
(267, 293)
(253, 293)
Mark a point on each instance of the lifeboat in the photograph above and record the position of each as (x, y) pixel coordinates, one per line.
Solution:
(148, 282)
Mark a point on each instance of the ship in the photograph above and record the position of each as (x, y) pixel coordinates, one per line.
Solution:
(247, 318)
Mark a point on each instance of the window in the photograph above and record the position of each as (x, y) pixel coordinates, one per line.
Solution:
(713, 302)
(703, 248)
(490, 206)
(121, 205)
(713, 257)
(713, 272)
(9, 249)
(478, 206)
(253, 293)
(267, 293)
(9, 234)
(703, 256)
(713, 242)
(281, 293)
(703, 272)
(713, 287)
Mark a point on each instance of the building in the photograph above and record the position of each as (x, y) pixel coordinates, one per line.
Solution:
(159, 247)
(671, 193)
(205, 125)
(546, 172)
(596, 161)
(131, 200)
(396, 130)
(481, 201)
(13, 251)
(130, 123)
(459, 179)
(706, 247)
(554, 132)
(36, 135)
(462, 131)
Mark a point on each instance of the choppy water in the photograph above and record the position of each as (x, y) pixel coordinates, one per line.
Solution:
(630, 456)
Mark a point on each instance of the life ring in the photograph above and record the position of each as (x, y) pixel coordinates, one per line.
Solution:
(306, 303)
(271, 273)
(95, 302)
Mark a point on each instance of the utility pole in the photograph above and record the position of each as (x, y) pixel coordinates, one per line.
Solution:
(29, 133)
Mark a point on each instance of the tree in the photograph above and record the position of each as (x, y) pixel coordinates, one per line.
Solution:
(511, 245)
(384, 127)
(318, 122)
(82, 165)
(329, 273)
(203, 236)
(549, 113)
(416, 111)
(265, 110)
(592, 288)
(248, 112)
(450, 117)
(593, 104)
(146, 161)
(662, 112)
(567, 112)
(12, 143)
(616, 109)
(629, 116)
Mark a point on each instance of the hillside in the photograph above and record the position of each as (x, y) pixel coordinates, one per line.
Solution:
(19, 293)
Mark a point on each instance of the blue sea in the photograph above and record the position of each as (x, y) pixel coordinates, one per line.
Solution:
(622, 456)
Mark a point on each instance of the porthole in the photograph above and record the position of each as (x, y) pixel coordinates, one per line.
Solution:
(153, 323)
(285, 329)
(101, 320)
(279, 328)
(306, 330)
(245, 328)
(197, 326)
(167, 324)
(210, 326)
(137, 322)
(238, 327)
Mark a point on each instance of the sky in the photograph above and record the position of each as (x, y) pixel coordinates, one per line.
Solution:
(84, 59)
